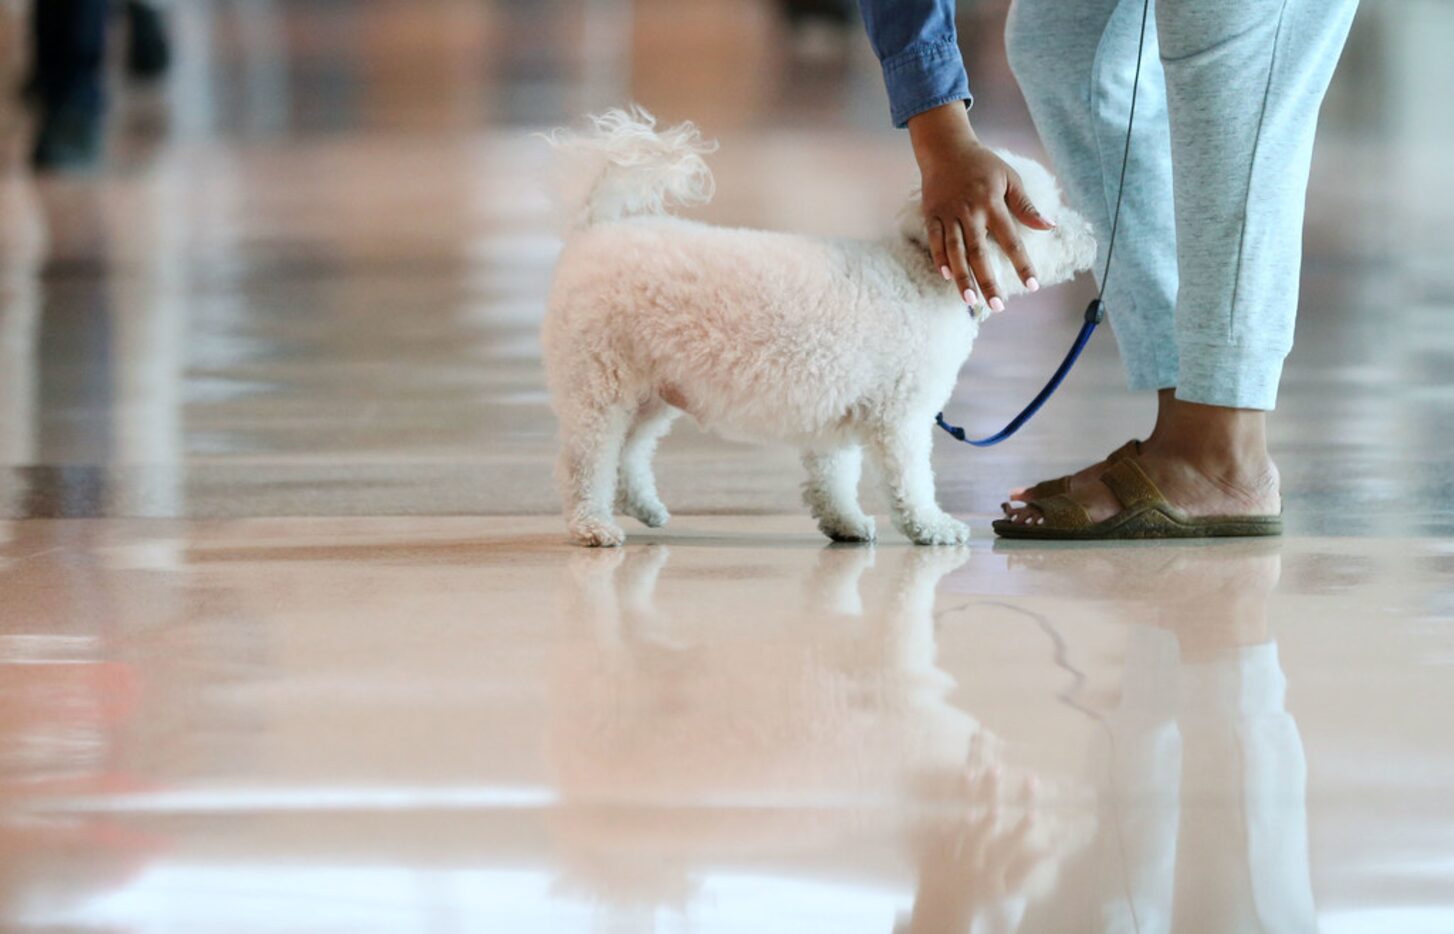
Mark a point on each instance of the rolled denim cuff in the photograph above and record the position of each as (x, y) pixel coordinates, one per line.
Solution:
(923, 77)
(1231, 376)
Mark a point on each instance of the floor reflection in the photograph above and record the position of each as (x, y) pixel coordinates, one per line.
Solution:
(741, 730)
(308, 283)
(681, 743)
(1200, 767)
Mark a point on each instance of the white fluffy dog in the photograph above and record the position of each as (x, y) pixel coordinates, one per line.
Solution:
(830, 345)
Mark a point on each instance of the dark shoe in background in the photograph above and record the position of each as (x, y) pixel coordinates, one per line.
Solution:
(148, 51)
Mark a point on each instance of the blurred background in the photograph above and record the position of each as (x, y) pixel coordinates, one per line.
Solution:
(271, 279)
(289, 256)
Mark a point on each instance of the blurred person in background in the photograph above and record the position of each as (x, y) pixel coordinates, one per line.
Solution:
(1204, 291)
(67, 80)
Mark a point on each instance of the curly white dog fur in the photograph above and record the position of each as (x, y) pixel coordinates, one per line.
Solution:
(830, 345)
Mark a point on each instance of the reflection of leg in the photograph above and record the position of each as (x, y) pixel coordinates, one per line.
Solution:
(1244, 851)
(911, 644)
(1139, 813)
(636, 594)
(833, 585)
(831, 493)
(613, 592)
(591, 597)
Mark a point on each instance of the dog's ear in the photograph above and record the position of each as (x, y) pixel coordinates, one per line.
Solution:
(911, 218)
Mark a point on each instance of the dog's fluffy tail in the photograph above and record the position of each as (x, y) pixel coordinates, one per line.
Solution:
(623, 166)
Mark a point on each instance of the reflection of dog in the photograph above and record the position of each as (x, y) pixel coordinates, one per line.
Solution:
(687, 738)
(828, 345)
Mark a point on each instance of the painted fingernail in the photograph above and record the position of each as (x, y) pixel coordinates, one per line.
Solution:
(1032, 284)
(996, 305)
(969, 297)
(944, 271)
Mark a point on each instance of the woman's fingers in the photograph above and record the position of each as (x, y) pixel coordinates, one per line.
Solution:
(959, 263)
(1024, 210)
(976, 248)
(1002, 228)
(934, 227)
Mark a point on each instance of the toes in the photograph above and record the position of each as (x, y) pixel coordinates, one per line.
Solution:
(1026, 515)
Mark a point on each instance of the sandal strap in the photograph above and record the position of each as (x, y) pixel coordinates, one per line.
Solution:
(1062, 512)
(1047, 488)
(1129, 484)
(1131, 448)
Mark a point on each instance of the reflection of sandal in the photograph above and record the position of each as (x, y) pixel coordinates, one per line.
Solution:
(1061, 485)
(1145, 514)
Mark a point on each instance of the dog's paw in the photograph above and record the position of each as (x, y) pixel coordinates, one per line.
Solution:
(651, 515)
(941, 530)
(849, 528)
(597, 533)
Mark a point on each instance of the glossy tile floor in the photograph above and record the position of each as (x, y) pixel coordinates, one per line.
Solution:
(290, 640)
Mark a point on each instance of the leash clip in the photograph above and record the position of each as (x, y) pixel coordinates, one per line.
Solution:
(955, 431)
(1095, 312)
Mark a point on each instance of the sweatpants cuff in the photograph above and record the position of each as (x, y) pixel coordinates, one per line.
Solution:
(1225, 375)
(1150, 375)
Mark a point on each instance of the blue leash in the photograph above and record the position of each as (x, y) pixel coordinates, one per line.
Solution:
(1095, 312)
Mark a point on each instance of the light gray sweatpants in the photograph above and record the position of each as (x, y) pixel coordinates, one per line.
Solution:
(1203, 287)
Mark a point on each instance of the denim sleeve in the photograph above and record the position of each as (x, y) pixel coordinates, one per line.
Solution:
(917, 47)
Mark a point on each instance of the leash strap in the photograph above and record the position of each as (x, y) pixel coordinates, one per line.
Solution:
(1095, 312)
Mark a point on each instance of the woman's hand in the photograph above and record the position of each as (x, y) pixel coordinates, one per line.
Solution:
(970, 194)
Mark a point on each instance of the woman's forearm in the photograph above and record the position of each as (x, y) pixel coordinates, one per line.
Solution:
(939, 131)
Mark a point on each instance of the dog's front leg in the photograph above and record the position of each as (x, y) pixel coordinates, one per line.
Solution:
(902, 451)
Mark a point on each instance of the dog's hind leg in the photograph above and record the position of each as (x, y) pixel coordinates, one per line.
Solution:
(590, 458)
(637, 495)
(902, 452)
(831, 493)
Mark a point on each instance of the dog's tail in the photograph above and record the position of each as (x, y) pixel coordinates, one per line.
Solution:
(623, 166)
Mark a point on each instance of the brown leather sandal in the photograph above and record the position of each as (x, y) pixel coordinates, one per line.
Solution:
(1060, 486)
(1145, 514)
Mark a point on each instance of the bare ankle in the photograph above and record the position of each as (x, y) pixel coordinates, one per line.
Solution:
(1223, 439)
